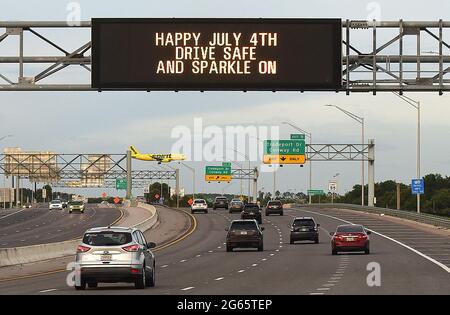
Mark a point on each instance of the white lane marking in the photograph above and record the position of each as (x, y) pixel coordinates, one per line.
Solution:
(49, 290)
(242, 270)
(272, 254)
(333, 281)
(8, 215)
(182, 261)
(328, 285)
(434, 261)
(264, 259)
(218, 279)
(316, 293)
(219, 246)
(210, 251)
(323, 289)
(198, 255)
(164, 266)
(254, 265)
(187, 288)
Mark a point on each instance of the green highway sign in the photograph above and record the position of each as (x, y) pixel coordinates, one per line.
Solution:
(315, 192)
(121, 183)
(226, 164)
(297, 136)
(284, 147)
(218, 170)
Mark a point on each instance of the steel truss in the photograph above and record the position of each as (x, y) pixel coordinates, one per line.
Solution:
(337, 152)
(397, 64)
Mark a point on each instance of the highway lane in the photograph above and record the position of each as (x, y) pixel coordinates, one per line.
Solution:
(40, 225)
(200, 265)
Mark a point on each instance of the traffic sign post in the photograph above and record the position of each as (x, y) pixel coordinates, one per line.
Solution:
(418, 186)
(316, 192)
(121, 184)
(285, 151)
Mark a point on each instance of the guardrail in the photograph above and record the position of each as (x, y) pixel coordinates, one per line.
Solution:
(34, 253)
(408, 215)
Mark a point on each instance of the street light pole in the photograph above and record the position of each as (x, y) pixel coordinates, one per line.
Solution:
(249, 180)
(361, 121)
(193, 178)
(4, 179)
(416, 105)
(309, 135)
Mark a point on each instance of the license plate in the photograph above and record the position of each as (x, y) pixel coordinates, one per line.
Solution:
(251, 213)
(305, 230)
(105, 257)
(350, 239)
(243, 232)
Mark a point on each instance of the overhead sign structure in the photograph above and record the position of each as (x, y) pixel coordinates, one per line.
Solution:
(418, 186)
(217, 54)
(218, 173)
(121, 183)
(284, 152)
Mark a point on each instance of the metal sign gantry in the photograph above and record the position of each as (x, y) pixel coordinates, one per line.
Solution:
(368, 64)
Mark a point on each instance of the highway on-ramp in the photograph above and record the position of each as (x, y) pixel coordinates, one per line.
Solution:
(39, 225)
(200, 265)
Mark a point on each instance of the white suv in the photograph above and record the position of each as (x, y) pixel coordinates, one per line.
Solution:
(199, 205)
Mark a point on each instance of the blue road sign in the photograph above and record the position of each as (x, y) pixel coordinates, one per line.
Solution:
(418, 186)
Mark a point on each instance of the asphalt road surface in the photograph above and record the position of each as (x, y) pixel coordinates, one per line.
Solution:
(200, 265)
(40, 225)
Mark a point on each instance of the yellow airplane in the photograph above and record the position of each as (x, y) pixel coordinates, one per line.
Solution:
(160, 158)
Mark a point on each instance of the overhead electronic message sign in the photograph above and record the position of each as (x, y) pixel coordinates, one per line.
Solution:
(216, 54)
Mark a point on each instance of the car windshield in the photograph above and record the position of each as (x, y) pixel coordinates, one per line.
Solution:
(243, 225)
(304, 222)
(76, 203)
(199, 201)
(350, 229)
(107, 238)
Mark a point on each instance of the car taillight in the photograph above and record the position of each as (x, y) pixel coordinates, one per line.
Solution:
(82, 249)
(338, 238)
(362, 236)
(131, 248)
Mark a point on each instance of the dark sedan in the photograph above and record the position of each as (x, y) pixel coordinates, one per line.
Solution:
(244, 234)
(252, 211)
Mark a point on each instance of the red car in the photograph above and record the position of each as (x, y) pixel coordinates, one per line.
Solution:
(350, 238)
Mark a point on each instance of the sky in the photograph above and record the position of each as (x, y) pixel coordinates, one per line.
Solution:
(108, 122)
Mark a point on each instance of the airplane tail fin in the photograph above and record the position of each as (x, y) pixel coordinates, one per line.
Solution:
(133, 150)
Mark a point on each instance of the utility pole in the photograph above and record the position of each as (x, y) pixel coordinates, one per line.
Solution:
(398, 196)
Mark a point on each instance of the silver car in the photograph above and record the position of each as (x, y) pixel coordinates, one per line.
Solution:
(115, 254)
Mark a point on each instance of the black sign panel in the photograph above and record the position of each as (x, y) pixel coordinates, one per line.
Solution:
(216, 54)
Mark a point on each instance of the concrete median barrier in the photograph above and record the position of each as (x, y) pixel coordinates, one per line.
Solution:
(34, 253)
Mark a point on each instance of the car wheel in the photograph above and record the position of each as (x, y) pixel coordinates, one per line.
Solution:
(260, 248)
(291, 242)
(367, 251)
(229, 248)
(92, 284)
(82, 286)
(150, 281)
(70, 211)
(334, 252)
(281, 213)
(316, 241)
(267, 214)
(140, 283)
(206, 211)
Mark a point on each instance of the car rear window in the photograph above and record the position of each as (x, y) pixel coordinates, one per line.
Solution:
(199, 201)
(350, 229)
(248, 225)
(252, 206)
(275, 203)
(107, 238)
(304, 222)
(221, 199)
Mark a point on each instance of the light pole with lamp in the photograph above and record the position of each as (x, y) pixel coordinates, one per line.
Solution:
(4, 177)
(193, 178)
(248, 159)
(361, 121)
(309, 135)
(416, 105)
